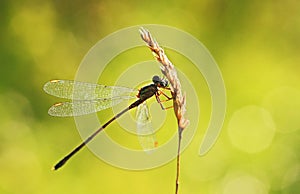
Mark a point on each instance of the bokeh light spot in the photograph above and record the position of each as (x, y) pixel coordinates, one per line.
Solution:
(251, 129)
(245, 184)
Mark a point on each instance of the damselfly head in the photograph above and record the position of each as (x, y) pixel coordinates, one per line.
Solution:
(160, 82)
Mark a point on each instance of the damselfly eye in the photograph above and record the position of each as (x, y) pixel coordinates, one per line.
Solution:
(156, 79)
(164, 83)
(160, 82)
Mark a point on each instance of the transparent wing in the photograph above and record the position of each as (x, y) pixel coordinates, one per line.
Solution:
(75, 90)
(145, 130)
(83, 107)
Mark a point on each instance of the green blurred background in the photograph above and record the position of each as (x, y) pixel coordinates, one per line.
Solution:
(256, 45)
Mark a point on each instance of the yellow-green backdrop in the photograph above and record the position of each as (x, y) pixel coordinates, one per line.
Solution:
(256, 45)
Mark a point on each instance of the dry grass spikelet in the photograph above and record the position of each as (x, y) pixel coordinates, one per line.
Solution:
(167, 68)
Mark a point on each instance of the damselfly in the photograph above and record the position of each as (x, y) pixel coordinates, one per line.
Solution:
(89, 98)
